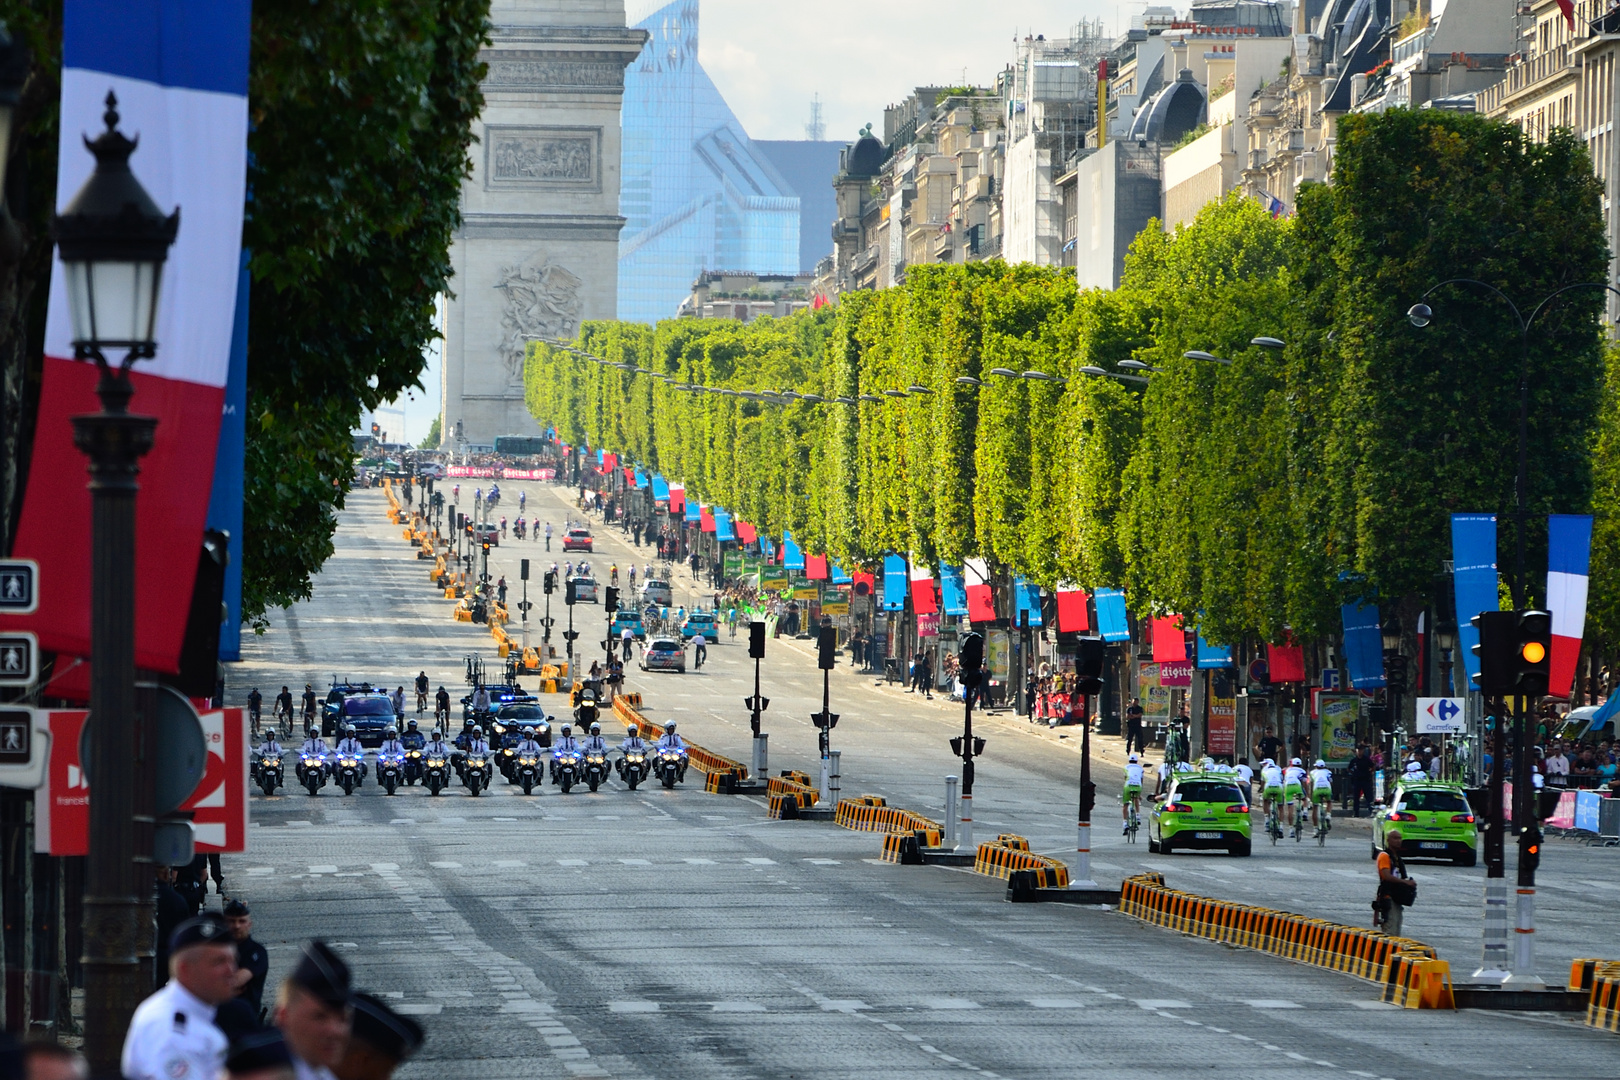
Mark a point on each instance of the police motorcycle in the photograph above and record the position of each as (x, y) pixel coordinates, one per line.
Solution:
(347, 771)
(390, 771)
(311, 770)
(596, 768)
(435, 771)
(669, 762)
(267, 771)
(565, 762)
(414, 740)
(526, 770)
(476, 771)
(633, 767)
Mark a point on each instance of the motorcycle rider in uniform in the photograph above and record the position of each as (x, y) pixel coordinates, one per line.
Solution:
(594, 743)
(436, 746)
(391, 743)
(315, 746)
(564, 744)
(351, 745)
(269, 750)
(528, 745)
(633, 744)
(672, 741)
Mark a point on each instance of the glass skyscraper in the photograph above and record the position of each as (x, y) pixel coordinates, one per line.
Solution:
(696, 192)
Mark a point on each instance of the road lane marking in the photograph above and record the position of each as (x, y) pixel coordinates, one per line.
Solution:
(633, 1006)
(736, 1007)
(323, 869)
(1161, 1003)
(1273, 1003)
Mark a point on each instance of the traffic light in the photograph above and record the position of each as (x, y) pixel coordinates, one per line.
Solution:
(568, 594)
(549, 582)
(486, 549)
(523, 570)
(1395, 673)
(978, 746)
(1529, 854)
(610, 602)
(1498, 652)
(827, 649)
(970, 660)
(1533, 653)
(1088, 666)
(756, 640)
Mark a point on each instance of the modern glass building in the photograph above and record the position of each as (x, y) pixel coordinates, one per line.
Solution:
(696, 192)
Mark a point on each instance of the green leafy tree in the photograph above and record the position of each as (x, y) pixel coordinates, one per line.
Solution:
(361, 121)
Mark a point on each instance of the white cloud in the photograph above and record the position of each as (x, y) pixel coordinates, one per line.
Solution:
(861, 55)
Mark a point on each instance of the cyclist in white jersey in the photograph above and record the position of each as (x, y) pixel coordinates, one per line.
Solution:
(1132, 795)
(1321, 784)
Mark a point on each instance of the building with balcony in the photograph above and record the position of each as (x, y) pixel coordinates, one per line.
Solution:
(745, 297)
(1563, 75)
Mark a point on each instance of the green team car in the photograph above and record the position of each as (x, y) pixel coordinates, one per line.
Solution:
(1434, 820)
(1201, 810)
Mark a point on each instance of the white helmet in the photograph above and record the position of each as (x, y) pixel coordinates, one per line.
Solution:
(1133, 757)
(670, 726)
(1320, 764)
(1293, 761)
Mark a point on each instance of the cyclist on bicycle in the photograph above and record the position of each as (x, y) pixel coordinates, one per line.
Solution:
(523, 498)
(1321, 782)
(255, 707)
(421, 691)
(1271, 786)
(1130, 800)
(632, 576)
(731, 619)
(613, 574)
(283, 706)
(1293, 789)
(441, 706)
(309, 705)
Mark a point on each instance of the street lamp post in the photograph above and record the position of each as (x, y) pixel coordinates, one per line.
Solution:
(970, 669)
(113, 241)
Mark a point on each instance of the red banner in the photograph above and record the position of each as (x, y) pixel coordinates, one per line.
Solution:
(488, 472)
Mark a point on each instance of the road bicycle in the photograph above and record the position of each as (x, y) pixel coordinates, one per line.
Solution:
(1274, 822)
(1325, 824)
(1133, 821)
(1300, 813)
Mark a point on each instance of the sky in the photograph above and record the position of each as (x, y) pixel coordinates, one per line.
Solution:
(768, 59)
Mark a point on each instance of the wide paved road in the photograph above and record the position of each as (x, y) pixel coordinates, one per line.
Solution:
(680, 934)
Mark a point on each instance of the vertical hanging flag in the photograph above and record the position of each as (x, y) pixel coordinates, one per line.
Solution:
(1169, 640)
(792, 555)
(746, 532)
(981, 598)
(1363, 645)
(1286, 662)
(839, 576)
(677, 498)
(225, 500)
(705, 519)
(694, 513)
(179, 69)
(1026, 597)
(1213, 656)
(722, 525)
(924, 600)
(815, 567)
(894, 583)
(1072, 614)
(1474, 582)
(660, 488)
(952, 590)
(1112, 620)
(1569, 557)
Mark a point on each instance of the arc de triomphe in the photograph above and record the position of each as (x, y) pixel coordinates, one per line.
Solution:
(538, 247)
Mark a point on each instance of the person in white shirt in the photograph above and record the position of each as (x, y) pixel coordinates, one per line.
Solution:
(1245, 777)
(1131, 796)
(633, 742)
(398, 700)
(1293, 790)
(350, 746)
(527, 744)
(1556, 768)
(314, 1013)
(1321, 785)
(436, 745)
(1271, 786)
(670, 740)
(480, 698)
(594, 743)
(172, 1034)
(314, 746)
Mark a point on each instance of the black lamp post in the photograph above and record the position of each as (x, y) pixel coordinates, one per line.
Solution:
(1394, 678)
(113, 241)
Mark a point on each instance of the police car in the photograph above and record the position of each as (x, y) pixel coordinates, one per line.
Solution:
(370, 714)
(664, 654)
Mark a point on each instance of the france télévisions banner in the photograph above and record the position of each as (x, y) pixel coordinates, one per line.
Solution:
(179, 70)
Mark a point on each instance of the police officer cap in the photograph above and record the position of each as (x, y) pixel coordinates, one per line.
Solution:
(396, 1036)
(322, 974)
(258, 1051)
(207, 929)
(235, 909)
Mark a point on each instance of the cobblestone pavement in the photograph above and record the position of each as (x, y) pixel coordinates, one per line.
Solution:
(676, 934)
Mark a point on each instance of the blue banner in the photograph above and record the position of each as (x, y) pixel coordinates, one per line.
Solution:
(660, 488)
(894, 583)
(1363, 646)
(1112, 622)
(225, 501)
(1474, 580)
(722, 525)
(792, 557)
(694, 513)
(840, 576)
(952, 590)
(1213, 656)
(641, 479)
(1026, 597)
(1586, 810)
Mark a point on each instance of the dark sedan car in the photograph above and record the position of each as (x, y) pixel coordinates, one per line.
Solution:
(519, 715)
(371, 714)
(332, 707)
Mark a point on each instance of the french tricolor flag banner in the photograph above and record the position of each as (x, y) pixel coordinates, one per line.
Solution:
(179, 69)
(1569, 557)
(981, 597)
(924, 599)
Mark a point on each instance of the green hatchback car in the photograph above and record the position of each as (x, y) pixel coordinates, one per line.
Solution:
(1200, 811)
(1434, 820)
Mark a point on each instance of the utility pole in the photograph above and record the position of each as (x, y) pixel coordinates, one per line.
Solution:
(826, 719)
(758, 704)
(970, 669)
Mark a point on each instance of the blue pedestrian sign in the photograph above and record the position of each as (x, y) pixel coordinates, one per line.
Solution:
(19, 586)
